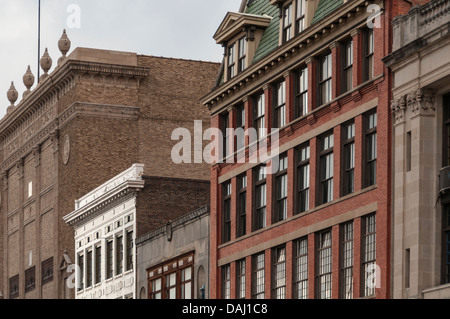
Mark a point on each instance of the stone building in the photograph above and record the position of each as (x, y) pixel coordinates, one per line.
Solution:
(94, 115)
(420, 63)
(173, 260)
(319, 225)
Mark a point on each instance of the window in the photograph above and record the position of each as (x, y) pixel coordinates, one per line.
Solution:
(89, 269)
(98, 264)
(368, 253)
(325, 79)
(281, 184)
(30, 279)
(242, 206)
(280, 105)
(347, 66)
(287, 23)
(349, 159)
(119, 254)
(186, 283)
(171, 286)
(156, 289)
(226, 236)
(225, 124)
(326, 168)
(446, 245)
(240, 279)
(240, 126)
(260, 202)
(259, 112)
(408, 151)
(301, 92)
(347, 261)
(303, 179)
(242, 54)
(47, 270)
(300, 15)
(368, 47)
(14, 287)
(324, 265)
(231, 61)
(129, 261)
(301, 269)
(109, 259)
(226, 282)
(258, 280)
(371, 149)
(81, 276)
(279, 273)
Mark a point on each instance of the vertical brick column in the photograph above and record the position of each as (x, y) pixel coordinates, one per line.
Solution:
(268, 104)
(249, 201)
(214, 233)
(357, 56)
(248, 277)
(335, 262)
(335, 69)
(313, 171)
(234, 195)
(311, 266)
(20, 169)
(291, 173)
(289, 269)
(55, 139)
(37, 190)
(233, 280)
(357, 258)
(359, 151)
(4, 227)
(289, 78)
(231, 125)
(270, 197)
(268, 274)
(248, 116)
(337, 162)
(311, 65)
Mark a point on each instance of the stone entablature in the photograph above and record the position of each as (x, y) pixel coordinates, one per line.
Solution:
(420, 101)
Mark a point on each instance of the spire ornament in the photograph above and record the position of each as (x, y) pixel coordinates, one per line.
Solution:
(64, 46)
(46, 64)
(28, 81)
(12, 95)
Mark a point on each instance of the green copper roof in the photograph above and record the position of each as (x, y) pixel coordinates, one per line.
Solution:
(269, 40)
(325, 7)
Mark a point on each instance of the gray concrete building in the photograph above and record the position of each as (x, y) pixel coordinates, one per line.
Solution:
(420, 64)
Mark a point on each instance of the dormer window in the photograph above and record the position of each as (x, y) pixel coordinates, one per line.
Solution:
(231, 61)
(287, 22)
(242, 54)
(300, 15)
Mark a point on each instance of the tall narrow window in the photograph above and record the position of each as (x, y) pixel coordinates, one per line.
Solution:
(324, 265)
(347, 261)
(326, 168)
(109, 259)
(300, 15)
(347, 66)
(240, 279)
(368, 48)
(30, 279)
(119, 255)
(407, 267)
(81, 275)
(225, 122)
(325, 69)
(129, 261)
(47, 270)
(156, 289)
(368, 254)
(14, 287)
(98, 264)
(281, 190)
(446, 245)
(371, 149)
(279, 273)
(226, 282)
(242, 206)
(186, 283)
(260, 202)
(301, 269)
(231, 61)
(259, 115)
(280, 105)
(303, 179)
(408, 151)
(171, 286)
(258, 280)
(226, 228)
(287, 22)
(301, 92)
(89, 269)
(242, 54)
(349, 159)
(240, 126)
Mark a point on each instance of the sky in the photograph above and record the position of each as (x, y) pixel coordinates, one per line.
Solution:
(175, 28)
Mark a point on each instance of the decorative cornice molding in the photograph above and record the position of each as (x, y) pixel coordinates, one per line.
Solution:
(417, 102)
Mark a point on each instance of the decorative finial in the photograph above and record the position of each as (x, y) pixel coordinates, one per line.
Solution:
(28, 81)
(64, 46)
(46, 63)
(12, 95)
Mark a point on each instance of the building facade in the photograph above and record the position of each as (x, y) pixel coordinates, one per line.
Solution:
(87, 120)
(420, 222)
(319, 225)
(173, 260)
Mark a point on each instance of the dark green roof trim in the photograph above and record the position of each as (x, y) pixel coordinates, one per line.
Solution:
(325, 7)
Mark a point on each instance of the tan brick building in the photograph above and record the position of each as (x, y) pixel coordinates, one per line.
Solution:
(92, 117)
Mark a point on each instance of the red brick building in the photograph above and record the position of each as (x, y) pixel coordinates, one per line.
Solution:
(320, 226)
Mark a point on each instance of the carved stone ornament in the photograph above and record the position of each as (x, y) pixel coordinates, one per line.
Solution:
(66, 149)
(420, 101)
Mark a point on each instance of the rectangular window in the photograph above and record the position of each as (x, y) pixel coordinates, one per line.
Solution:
(226, 228)
(242, 206)
(231, 61)
(324, 261)
(30, 279)
(347, 66)
(281, 184)
(225, 122)
(171, 285)
(368, 65)
(119, 254)
(47, 270)
(240, 126)
(226, 282)
(129, 261)
(280, 105)
(279, 273)
(98, 264)
(81, 276)
(287, 23)
(258, 277)
(349, 159)
(261, 200)
(408, 151)
(259, 112)
(407, 267)
(240, 279)
(109, 259)
(326, 168)
(156, 289)
(300, 15)
(368, 253)
(347, 261)
(301, 269)
(14, 287)
(303, 179)
(301, 92)
(371, 149)
(89, 269)
(325, 74)
(242, 54)
(186, 283)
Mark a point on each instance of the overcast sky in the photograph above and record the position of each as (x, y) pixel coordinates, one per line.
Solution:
(175, 28)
